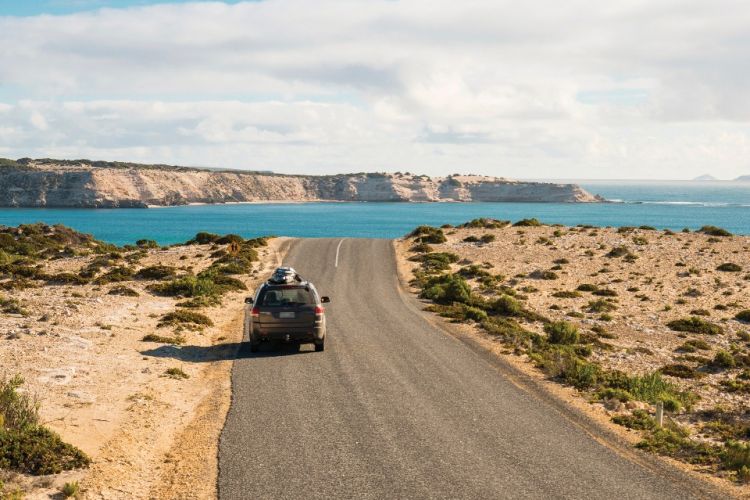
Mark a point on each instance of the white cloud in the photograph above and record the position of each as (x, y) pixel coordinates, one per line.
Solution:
(546, 89)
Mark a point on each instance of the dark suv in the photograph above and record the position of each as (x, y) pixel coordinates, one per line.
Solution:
(286, 308)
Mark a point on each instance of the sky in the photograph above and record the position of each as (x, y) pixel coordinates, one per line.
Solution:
(624, 89)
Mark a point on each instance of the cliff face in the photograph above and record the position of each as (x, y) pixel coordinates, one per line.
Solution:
(50, 183)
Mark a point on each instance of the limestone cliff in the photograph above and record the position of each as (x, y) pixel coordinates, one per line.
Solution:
(86, 184)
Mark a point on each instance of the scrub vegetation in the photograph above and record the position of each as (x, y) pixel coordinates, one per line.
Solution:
(675, 334)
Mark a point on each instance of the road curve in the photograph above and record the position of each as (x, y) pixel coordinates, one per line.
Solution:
(396, 408)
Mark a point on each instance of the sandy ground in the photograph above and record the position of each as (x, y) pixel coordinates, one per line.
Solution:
(105, 390)
(650, 291)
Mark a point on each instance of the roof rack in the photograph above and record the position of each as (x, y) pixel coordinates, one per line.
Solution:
(285, 275)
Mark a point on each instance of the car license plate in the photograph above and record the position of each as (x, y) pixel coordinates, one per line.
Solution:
(286, 315)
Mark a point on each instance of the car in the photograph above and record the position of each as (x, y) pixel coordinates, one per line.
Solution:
(286, 308)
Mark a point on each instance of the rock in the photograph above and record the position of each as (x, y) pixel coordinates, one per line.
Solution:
(51, 183)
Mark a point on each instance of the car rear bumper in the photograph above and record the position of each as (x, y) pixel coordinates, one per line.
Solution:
(289, 334)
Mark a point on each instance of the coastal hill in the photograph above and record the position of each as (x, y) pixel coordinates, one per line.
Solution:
(706, 177)
(743, 178)
(96, 184)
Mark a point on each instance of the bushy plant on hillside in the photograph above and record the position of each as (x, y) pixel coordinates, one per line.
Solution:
(26, 446)
(428, 234)
(695, 324)
(714, 231)
(533, 222)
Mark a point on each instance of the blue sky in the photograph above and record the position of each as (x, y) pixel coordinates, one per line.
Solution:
(537, 89)
(36, 7)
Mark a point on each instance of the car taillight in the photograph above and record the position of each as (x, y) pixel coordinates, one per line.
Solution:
(255, 313)
(319, 310)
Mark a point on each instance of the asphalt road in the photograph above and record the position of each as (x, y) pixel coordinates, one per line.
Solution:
(397, 408)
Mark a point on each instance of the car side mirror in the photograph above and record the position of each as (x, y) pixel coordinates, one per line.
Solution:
(325, 300)
(248, 300)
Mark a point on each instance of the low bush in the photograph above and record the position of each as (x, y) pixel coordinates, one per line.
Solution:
(181, 317)
(600, 306)
(158, 272)
(505, 305)
(714, 231)
(26, 446)
(152, 337)
(115, 275)
(485, 223)
(176, 373)
(123, 291)
(562, 332)
(428, 234)
(66, 279)
(723, 359)
(12, 306)
(695, 324)
(446, 289)
(729, 267)
(487, 238)
(639, 420)
(146, 244)
(694, 345)
(680, 371)
(743, 316)
(736, 455)
(605, 292)
(567, 294)
(533, 222)
(203, 238)
(587, 287)
(619, 251)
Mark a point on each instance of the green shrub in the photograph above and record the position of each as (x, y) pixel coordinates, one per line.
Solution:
(485, 223)
(639, 420)
(158, 272)
(66, 279)
(723, 359)
(544, 275)
(181, 317)
(695, 324)
(437, 261)
(680, 371)
(123, 291)
(147, 244)
(203, 238)
(743, 316)
(12, 306)
(428, 234)
(505, 305)
(421, 248)
(228, 239)
(694, 345)
(736, 455)
(605, 292)
(600, 305)
(38, 451)
(115, 275)
(25, 446)
(587, 287)
(562, 332)
(487, 238)
(471, 239)
(176, 373)
(533, 222)
(71, 490)
(188, 286)
(729, 267)
(714, 231)
(566, 294)
(475, 314)
(152, 337)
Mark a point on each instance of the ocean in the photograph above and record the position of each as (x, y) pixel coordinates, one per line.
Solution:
(672, 205)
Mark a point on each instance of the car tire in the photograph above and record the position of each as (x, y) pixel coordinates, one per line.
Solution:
(320, 346)
(254, 345)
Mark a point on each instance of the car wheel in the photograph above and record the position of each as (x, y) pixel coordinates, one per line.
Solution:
(319, 347)
(254, 345)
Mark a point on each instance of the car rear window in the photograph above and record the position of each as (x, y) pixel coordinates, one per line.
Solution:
(287, 296)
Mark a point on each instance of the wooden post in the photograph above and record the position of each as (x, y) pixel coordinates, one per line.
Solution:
(659, 413)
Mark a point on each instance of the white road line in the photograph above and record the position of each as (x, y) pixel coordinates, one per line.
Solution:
(337, 253)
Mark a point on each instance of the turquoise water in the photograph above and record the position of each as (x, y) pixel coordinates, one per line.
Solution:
(663, 205)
